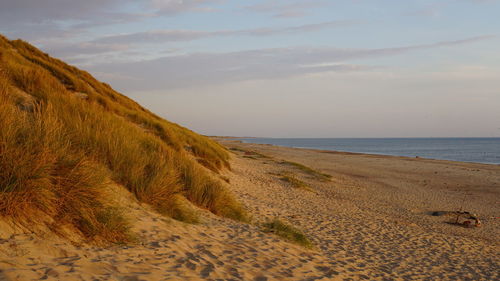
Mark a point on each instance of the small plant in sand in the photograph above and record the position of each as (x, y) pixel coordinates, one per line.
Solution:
(250, 153)
(295, 182)
(314, 173)
(287, 232)
(250, 157)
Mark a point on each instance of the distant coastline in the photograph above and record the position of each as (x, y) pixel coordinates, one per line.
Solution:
(470, 150)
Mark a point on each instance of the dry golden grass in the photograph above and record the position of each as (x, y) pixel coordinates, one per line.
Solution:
(65, 136)
(314, 173)
(287, 232)
(251, 154)
(40, 173)
(294, 181)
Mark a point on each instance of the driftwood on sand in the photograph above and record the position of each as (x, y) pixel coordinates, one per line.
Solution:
(463, 218)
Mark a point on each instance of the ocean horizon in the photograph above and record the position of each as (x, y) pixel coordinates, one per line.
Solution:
(476, 150)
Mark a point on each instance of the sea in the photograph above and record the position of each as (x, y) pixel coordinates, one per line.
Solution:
(478, 150)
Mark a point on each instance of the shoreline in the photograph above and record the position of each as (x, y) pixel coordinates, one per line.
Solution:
(373, 219)
(354, 153)
(466, 171)
(376, 211)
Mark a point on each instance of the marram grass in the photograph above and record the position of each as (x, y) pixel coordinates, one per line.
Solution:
(308, 170)
(65, 136)
(286, 231)
(295, 182)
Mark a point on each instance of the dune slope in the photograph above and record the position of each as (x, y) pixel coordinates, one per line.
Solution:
(65, 137)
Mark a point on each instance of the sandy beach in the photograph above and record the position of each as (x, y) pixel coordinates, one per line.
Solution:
(370, 221)
(373, 219)
(126, 132)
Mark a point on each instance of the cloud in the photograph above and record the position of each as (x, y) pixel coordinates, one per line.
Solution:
(35, 32)
(121, 42)
(162, 36)
(51, 10)
(42, 19)
(286, 9)
(300, 28)
(110, 18)
(85, 48)
(172, 7)
(214, 68)
(157, 36)
(62, 18)
(60, 10)
(437, 9)
(208, 68)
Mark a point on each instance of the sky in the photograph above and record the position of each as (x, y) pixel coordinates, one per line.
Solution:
(285, 68)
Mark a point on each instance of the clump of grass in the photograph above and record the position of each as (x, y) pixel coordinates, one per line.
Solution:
(287, 232)
(108, 225)
(209, 192)
(295, 182)
(250, 153)
(40, 173)
(58, 150)
(314, 173)
(179, 208)
(250, 157)
(258, 154)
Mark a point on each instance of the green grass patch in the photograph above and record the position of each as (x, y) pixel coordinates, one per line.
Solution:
(287, 232)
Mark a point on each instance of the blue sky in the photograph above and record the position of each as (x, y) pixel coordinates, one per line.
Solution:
(296, 68)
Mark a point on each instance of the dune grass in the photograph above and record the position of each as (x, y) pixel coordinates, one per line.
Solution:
(294, 181)
(314, 173)
(288, 232)
(40, 173)
(65, 136)
(251, 154)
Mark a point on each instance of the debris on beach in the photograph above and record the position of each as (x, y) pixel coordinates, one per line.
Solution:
(462, 218)
(466, 219)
